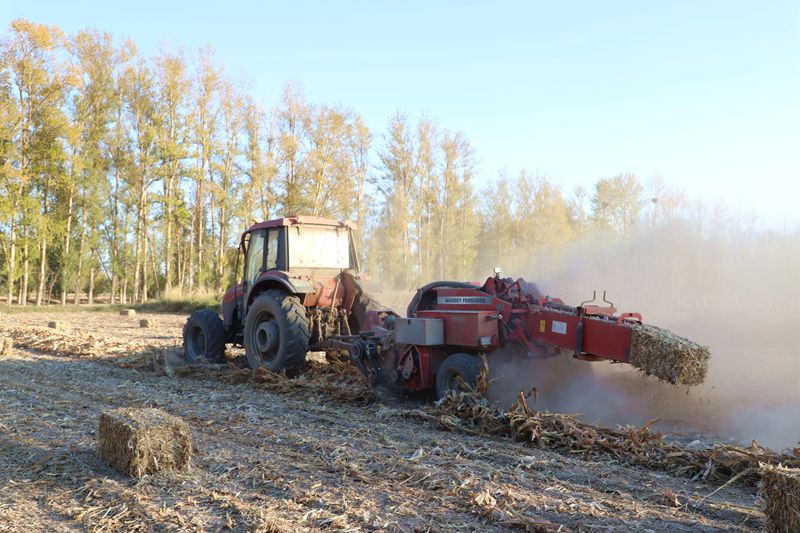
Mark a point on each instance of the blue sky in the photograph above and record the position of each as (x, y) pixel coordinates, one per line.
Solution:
(705, 93)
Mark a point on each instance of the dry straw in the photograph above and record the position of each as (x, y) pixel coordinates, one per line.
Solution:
(667, 356)
(781, 489)
(143, 441)
(6, 345)
(471, 413)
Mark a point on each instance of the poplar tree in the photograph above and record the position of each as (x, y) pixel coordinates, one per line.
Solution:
(204, 124)
(259, 196)
(39, 86)
(173, 88)
(617, 203)
(225, 168)
(395, 183)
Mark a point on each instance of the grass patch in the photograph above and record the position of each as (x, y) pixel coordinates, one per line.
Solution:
(177, 305)
(166, 305)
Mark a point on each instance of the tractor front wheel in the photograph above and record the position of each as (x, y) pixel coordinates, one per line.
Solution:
(276, 332)
(459, 372)
(204, 337)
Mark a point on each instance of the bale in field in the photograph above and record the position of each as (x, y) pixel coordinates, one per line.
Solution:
(54, 325)
(6, 345)
(667, 356)
(147, 323)
(781, 489)
(143, 441)
(127, 312)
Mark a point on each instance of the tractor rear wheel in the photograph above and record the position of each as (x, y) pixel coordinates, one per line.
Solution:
(459, 372)
(276, 332)
(204, 336)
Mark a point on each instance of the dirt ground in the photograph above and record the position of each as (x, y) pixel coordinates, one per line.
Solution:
(292, 456)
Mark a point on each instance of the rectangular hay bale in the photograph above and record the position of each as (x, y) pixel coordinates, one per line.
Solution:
(781, 489)
(667, 356)
(127, 312)
(140, 441)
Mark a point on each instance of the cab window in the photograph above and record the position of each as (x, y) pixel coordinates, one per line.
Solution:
(255, 256)
(272, 249)
(319, 247)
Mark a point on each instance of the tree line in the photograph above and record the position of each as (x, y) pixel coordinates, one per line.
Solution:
(132, 178)
(125, 175)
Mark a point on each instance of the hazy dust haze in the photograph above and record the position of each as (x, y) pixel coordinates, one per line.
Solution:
(738, 297)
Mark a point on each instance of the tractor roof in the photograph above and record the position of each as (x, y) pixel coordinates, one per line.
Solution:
(302, 219)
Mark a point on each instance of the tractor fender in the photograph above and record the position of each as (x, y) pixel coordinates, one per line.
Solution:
(230, 305)
(279, 280)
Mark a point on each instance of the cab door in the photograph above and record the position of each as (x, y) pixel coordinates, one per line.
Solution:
(253, 264)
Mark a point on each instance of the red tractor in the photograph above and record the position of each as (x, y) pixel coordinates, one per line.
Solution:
(300, 286)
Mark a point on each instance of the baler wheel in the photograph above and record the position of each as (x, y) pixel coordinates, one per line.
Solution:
(460, 371)
(204, 336)
(276, 332)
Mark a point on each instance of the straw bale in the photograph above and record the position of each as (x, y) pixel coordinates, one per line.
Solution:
(127, 312)
(781, 489)
(6, 345)
(147, 323)
(667, 356)
(140, 441)
(54, 324)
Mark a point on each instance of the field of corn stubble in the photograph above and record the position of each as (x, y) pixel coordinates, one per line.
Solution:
(324, 452)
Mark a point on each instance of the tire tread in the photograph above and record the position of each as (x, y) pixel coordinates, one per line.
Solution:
(213, 331)
(469, 367)
(294, 342)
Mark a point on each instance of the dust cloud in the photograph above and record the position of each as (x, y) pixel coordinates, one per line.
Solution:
(734, 290)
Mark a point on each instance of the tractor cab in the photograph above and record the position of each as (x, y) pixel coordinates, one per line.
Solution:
(297, 249)
(299, 255)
